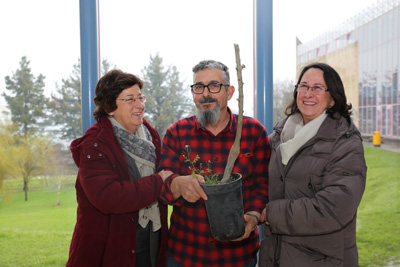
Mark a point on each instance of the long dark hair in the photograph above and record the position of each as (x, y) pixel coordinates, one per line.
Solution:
(335, 87)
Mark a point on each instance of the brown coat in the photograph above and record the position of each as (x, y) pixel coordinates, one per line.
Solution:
(313, 201)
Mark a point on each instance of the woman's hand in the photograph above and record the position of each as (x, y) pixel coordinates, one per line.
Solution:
(164, 174)
(251, 220)
(263, 218)
(188, 187)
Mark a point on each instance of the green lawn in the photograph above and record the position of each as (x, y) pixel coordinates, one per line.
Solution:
(38, 233)
(378, 227)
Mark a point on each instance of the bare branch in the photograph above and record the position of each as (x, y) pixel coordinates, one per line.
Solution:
(235, 149)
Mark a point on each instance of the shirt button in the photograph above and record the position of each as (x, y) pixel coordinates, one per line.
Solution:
(88, 156)
(133, 251)
(216, 159)
(211, 243)
(95, 144)
(100, 154)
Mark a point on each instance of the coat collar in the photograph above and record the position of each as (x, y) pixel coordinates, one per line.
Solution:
(330, 130)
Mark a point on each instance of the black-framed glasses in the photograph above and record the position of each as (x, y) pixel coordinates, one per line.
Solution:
(131, 100)
(316, 90)
(213, 88)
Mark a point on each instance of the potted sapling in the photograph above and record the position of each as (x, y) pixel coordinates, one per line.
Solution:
(224, 190)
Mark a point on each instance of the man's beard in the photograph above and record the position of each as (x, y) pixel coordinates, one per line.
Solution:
(208, 117)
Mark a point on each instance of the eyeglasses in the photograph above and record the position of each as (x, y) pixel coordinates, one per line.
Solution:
(131, 100)
(213, 88)
(316, 90)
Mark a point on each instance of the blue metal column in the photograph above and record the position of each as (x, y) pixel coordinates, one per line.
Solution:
(89, 59)
(263, 70)
(264, 63)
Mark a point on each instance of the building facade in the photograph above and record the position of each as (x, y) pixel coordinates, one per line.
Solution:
(365, 50)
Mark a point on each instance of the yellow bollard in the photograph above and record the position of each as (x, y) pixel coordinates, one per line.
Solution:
(376, 139)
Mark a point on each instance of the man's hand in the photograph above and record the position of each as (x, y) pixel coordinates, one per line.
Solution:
(188, 187)
(251, 219)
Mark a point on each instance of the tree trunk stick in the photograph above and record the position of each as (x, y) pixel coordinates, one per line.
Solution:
(235, 149)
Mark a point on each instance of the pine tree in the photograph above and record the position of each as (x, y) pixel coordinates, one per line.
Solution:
(26, 100)
(106, 66)
(167, 100)
(65, 104)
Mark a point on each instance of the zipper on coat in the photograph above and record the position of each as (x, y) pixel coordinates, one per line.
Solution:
(310, 184)
(277, 255)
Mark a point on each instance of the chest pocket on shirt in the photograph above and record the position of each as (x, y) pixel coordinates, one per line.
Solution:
(244, 162)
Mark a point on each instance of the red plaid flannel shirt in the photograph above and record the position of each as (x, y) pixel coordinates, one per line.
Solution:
(189, 239)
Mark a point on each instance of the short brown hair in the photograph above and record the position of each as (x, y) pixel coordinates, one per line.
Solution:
(108, 89)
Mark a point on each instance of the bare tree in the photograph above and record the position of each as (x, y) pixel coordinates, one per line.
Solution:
(283, 93)
(31, 156)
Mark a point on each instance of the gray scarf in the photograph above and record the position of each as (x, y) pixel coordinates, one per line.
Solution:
(143, 154)
(140, 147)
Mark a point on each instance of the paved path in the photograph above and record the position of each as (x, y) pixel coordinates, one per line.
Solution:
(390, 147)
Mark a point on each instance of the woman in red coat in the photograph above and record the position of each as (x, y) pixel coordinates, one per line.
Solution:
(119, 219)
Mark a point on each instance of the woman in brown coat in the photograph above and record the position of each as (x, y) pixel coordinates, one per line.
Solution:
(317, 177)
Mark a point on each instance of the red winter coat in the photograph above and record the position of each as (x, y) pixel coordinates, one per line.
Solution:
(108, 202)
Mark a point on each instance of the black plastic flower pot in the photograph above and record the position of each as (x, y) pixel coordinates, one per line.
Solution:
(225, 209)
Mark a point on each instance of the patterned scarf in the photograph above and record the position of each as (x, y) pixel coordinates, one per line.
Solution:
(137, 145)
(140, 148)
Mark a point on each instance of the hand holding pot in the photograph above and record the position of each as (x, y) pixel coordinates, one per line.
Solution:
(251, 221)
(188, 188)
